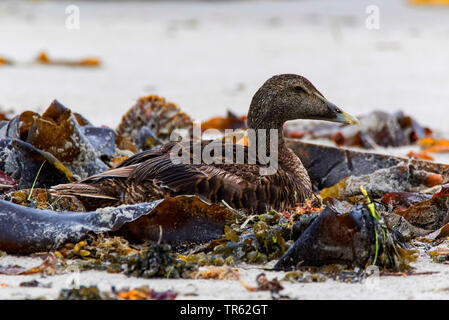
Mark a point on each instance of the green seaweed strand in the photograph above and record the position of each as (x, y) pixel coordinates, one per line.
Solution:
(35, 179)
(376, 216)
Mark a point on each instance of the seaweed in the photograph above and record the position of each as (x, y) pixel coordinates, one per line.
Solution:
(255, 240)
(329, 165)
(24, 229)
(82, 293)
(89, 62)
(354, 239)
(145, 293)
(158, 261)
(429, 214)
(151, 121)
(21, 162)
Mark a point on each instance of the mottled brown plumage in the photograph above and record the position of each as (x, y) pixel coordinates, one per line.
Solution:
(152, 174)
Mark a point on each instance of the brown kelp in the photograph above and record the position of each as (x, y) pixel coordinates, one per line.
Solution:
(25, 229)
(21, 162)
(328, 165)
(151, 121)
(354, 239)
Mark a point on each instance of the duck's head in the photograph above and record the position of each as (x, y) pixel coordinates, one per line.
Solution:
(289, 97)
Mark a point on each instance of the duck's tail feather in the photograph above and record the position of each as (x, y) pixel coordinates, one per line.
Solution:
(80, 189)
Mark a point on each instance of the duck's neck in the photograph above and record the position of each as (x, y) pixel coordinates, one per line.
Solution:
(287, 159)
(270, 134)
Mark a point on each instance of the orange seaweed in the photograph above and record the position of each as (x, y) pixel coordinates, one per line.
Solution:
(43, 58)
(434, 145)
(231, 121)
(423, 155)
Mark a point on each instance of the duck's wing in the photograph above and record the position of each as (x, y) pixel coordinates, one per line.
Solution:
(213, 181)
(156, 172)
(89, 186)
(240, 185)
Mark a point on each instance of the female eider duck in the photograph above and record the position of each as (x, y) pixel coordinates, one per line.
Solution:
(152, 175)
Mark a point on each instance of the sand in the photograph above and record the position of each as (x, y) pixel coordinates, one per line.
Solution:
(212, 56)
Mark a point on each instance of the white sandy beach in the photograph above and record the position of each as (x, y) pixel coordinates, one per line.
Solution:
(212, 56)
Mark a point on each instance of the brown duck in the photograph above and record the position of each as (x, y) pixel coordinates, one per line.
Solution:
(152, 174)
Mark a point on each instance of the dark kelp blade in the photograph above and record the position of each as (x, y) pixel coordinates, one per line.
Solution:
(430, 214)
(22, 161)
(183, 218)
(25, 230)
(328, 165)
(403, 200)
(347, 239)
(330, 239)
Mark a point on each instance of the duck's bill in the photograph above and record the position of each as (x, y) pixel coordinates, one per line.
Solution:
(338, 115)
(344, 117)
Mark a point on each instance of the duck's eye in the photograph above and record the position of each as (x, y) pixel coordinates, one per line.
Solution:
(338, 110)
(299, 89)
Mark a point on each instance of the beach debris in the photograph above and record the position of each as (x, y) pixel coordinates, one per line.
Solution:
(400, 178)
(429, 2)
(6, 182)
(353, 239)
(255, 240)
(440, 233)
(263, 284)
(58, 133)
(304, 276)
(21, 162)
(83, 293)
(26, 230)
(377, 129)
(90, 62)
(183, 218)
(430, 214)
(66, 140)
(145, 293)
(47, 267)
(151, 121)
(328, 165)
(402, 227)
(34, 284)
(217, 273)
(440, 254)
(5, 61)
(5, 115)
(42, 199)
(431, 145)
(231, 121)
(403, 200)
(60, 146)
(158, 261)
(228, 273)
(423, 155)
